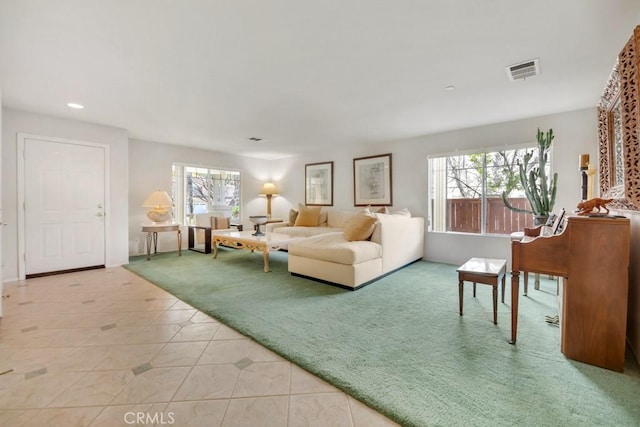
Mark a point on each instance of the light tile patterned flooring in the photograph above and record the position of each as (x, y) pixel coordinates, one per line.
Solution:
(107, 348)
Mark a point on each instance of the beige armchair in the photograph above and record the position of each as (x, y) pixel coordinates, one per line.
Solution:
(209, 220)
(200, 232)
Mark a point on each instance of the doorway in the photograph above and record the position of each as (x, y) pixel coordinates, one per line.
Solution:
(62, 224)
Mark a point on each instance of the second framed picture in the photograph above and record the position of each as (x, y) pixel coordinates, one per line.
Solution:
(318, 184)
(372, 181)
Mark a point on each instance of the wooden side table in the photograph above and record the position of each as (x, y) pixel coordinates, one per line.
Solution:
(207, 237)
(487, 271)
(152, 231)
(191, 239)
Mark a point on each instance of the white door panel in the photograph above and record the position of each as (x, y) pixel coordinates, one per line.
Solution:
(64, 195)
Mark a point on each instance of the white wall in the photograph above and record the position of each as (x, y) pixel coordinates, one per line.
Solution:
(15, 122)
(575, 134)
(150, 169)
(141, 166)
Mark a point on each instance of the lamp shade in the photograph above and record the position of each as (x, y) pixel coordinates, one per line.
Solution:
(158, 199)
(269, 188)
(160, 203)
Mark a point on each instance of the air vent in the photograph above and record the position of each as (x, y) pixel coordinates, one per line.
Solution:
(523, 70)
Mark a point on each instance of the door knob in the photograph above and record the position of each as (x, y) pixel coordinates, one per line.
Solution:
(99, 214)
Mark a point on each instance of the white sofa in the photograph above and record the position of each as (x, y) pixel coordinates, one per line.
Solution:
(326, 255)
(331, 220)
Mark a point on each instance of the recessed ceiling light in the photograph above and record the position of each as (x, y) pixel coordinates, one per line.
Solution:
(449, 88)
(76, 106)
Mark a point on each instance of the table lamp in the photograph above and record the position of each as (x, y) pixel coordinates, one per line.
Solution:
(160, 203)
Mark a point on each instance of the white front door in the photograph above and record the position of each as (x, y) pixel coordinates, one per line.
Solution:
(64, 195)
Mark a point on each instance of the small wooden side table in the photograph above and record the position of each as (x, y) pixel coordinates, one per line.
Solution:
(487, 271)
(191, 239)
(152, 231)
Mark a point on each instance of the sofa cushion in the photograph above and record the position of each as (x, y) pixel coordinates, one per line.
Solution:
(323, 218)
(333, 247)
(220, 223)
(293, 214)
(403, 212)
(338, 219)
(305, 231)
(307, 216)
(360, 226)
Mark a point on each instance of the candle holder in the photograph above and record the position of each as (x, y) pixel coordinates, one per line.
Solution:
(584, 166)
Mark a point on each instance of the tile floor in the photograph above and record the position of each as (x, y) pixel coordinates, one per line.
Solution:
(107, 348)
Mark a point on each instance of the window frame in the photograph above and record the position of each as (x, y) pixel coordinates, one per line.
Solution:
(178, 188)
(465, 152)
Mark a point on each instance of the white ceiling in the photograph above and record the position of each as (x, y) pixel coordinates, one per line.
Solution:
(304, 74)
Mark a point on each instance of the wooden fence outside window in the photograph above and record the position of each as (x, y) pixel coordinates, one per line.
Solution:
(464, 215)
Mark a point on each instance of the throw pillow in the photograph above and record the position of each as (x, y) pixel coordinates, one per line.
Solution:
(221, 222)
(293, 214)
(403, 212)
(323, 219)
(360, 227)
(307, 217)
(383, 210)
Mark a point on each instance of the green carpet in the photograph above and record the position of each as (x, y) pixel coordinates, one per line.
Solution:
(400, 346)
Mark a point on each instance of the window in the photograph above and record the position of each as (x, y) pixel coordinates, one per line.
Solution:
(465, 192)
(198, 190)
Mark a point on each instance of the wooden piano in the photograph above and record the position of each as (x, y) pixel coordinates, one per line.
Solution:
(591, 256)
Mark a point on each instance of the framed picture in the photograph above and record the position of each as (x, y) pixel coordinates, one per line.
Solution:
(372, 181)
(618, 134)
(318, 184)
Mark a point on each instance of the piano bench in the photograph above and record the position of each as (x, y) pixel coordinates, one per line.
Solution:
(486, 271)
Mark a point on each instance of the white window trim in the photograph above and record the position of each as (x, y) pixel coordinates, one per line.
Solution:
(179, 213)
(529, 145)
(442, 205)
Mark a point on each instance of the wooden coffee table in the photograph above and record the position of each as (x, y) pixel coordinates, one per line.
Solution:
(246, 240)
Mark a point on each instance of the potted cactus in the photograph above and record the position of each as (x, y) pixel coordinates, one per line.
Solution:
(538, 188)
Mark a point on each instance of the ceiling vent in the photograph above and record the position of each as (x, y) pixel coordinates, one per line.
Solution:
(523, 70)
